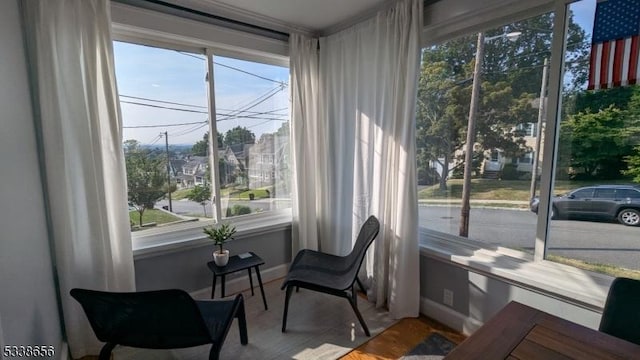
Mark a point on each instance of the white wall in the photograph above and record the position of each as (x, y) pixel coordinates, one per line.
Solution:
(28, 306)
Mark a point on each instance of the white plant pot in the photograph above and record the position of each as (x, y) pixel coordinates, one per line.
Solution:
(221, 259)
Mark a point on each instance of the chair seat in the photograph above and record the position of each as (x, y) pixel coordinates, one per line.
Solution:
(320, 269)
(217, 314)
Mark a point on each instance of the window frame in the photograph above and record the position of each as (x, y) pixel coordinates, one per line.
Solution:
(553, 279)
(161, 240)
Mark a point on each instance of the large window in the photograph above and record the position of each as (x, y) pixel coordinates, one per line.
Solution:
(167, 105)
(512, 60)
(578, 162)
(595, 217)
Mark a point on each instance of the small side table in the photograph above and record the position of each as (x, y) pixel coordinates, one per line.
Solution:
(237, 264)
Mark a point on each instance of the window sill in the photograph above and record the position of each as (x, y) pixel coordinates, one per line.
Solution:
(572, 285)
(158, 241)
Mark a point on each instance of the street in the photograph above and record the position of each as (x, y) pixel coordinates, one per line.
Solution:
(595, 242)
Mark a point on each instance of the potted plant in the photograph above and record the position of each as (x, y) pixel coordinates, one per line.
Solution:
(220, 234)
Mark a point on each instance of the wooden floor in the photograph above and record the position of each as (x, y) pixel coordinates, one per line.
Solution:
(401, 338)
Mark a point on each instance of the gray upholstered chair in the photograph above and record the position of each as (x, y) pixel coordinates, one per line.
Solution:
(162, 319)
(331, 274)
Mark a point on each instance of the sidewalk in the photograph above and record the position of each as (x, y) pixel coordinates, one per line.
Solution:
(478, 202)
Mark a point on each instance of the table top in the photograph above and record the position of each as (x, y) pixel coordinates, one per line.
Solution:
(236, 264)
(522, 332)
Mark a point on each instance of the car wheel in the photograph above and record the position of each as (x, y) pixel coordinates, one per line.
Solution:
(554, 213)
(629, 217)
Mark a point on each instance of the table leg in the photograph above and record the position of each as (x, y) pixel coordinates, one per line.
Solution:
(264, 299)
(222, 286)
(250, 281)
(213, 286)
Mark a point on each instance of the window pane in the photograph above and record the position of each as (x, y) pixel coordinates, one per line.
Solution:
(599, 146)
(510, 109)
(164, 110)
(252, 117)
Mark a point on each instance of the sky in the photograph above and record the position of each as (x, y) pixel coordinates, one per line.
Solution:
(168, 79)
(172, 79)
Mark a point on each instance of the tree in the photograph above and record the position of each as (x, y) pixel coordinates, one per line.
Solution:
(239, 135)
(201, 148)
(598, 138)
(511, 75)
(633, 165)
(595, 139)
(146, 175)
(439, 121)
(200, 194)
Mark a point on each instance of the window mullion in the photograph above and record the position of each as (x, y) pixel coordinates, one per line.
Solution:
(551, 130)
(213, 139)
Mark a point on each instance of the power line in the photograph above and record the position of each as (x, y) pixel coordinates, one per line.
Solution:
(162, 101)
(198, 106)
(163, 107)
(234, 68)
(161, 125)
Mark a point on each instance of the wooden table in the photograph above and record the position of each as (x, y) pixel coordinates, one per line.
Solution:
(521, 332)
(237, 263)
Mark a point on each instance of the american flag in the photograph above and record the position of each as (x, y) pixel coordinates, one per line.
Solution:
(615, 48)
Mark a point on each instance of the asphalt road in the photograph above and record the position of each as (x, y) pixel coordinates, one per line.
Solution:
(596, 242)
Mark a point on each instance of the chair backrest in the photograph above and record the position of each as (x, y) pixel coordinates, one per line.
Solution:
(367, 234)
(161, 319)
(621, 315)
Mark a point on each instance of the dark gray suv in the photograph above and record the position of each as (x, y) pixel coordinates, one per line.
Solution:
(621, 202)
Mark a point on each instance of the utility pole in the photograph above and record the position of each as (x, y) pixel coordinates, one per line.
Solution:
(471, 127)
(471, 139)
(541, 111)
(166, 142)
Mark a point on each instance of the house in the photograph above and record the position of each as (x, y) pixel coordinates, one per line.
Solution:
(462, 282)
(193, 172)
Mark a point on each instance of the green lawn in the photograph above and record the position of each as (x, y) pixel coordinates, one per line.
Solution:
(488, 189)
(152, 216)
(180, 194)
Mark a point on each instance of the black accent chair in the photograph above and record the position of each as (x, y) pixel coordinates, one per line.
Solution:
(331, 274)
(621, 315)
(162, 319)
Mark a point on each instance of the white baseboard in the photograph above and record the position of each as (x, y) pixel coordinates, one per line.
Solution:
(242, 283)
(449, 317)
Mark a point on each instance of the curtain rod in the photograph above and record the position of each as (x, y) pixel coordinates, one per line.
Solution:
(198, 15)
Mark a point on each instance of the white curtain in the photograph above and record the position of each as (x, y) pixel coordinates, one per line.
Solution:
(368, 82)
(306, 154)
(75, 101)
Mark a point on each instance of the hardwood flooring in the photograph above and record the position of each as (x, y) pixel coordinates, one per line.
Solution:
(400, 338)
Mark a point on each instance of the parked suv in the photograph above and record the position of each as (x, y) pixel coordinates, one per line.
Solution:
(621, 202)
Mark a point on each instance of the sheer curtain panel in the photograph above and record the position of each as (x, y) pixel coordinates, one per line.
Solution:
(366, 121)
(80, 134)
(307, 157)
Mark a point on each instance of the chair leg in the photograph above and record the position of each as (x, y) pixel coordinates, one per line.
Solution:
(105, 352)
(214, 353)
(242, 324)
(360, 284)
(286, 307)
(353, 300)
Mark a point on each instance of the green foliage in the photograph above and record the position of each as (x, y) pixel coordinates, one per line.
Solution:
(201, 147)
(510, 172)
(239, 135)
(510, 81)
(597, 142)
(151, 216)
(220, 233)
(237, 210)
(200, 194)
(146, 175)
(633, 165)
